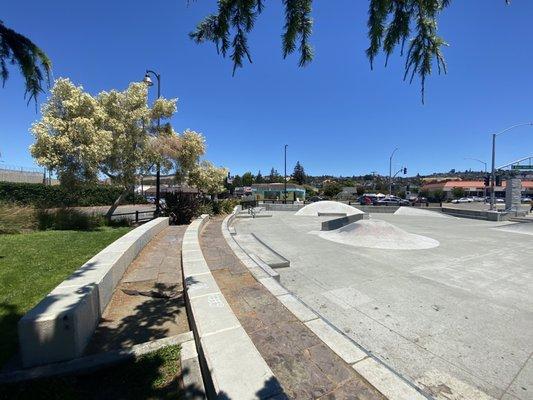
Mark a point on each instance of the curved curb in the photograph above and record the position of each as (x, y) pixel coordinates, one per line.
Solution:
(232, 366)
(378, 374)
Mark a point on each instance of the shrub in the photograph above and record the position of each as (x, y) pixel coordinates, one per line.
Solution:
(228, 205)
(181, 208)
(47, 196)
(206, 208)
(67, 219)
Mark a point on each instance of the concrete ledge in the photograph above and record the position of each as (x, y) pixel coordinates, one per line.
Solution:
(386, 382)
(61, 325)
(337, 223)
(265, 267)
(336, 341)
(299, 309)
(231, 364)
(377, 209)
(478, 214)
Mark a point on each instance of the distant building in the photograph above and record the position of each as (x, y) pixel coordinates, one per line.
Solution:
(348, 193)
(474, 188)
(275, 191)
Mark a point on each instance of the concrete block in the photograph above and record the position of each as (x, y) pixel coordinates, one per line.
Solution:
(201, 285)
(191, 254)
(60, 326)
(273, 286)
(237, 369)
(336, 341)
(386, 382)
(265, 267)
(296, 307)
(195, 267)
(212, 314)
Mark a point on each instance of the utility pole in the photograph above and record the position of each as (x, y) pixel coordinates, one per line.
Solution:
(390, 171)
(493, 172)
(285, 177)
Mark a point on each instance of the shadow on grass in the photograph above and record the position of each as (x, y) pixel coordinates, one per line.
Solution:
(152, 376)
(9, 316)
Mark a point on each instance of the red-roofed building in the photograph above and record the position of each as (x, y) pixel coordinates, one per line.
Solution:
(474, 188)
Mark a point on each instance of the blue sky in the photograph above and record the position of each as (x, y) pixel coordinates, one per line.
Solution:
(337, 116)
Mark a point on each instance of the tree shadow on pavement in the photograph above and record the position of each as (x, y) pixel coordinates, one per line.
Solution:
(152, 318)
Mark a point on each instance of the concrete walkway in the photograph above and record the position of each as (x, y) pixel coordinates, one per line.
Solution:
(305, 367)
(148, 302)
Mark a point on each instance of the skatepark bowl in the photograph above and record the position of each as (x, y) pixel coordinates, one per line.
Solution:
(455, 318)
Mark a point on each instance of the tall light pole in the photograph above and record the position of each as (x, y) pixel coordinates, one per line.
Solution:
(149, 82)
(493, 173)
(390, 170)
(485, 164)
(285, 177)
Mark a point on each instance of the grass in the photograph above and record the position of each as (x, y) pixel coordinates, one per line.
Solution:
(152, 376)
(32, 264)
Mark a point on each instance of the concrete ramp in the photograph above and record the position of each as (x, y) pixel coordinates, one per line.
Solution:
(253, 245)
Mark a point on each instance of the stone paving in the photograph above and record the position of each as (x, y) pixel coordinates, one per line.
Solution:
(148, 302)
(305, 367)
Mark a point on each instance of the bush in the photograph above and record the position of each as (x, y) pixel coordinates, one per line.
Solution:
(67, 219)
(228, 205)
(206, 208)
(181, 208)
(47, 196)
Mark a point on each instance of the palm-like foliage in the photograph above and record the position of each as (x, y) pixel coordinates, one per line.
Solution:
(33, 62)
(391, 23)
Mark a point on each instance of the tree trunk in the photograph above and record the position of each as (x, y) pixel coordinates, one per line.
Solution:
(117, 202)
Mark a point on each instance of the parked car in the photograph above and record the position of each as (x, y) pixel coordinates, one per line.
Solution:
(313, 199)
(367, 199)
(526, 200)
(463, 200)
(392, 202)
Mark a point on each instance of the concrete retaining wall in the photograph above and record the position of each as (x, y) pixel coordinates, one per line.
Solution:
(61, 325)
(337, 223)
(232, 366)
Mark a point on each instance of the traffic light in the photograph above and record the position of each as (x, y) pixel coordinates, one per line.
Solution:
(498, 180)
(405, 171)
(486, 180)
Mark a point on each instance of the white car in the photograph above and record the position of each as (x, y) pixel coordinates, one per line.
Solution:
(463, 200)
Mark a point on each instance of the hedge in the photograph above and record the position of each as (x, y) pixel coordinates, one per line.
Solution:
(40, 195)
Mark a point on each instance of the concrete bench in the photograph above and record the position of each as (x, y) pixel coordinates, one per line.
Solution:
(61, 325)
(227, 354)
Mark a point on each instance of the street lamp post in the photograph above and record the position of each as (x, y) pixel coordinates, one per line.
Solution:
(485, 164)
(285, 177)
(390, 170)
(149, 82)
(493, 172)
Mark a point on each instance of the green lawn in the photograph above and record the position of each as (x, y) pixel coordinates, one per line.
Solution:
(152, 376)
(32, 264)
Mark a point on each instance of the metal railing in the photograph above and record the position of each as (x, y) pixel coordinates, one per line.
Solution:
(137, 216)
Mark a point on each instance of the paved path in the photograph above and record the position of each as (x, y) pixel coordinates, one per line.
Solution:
(305, 367)
(140, 317)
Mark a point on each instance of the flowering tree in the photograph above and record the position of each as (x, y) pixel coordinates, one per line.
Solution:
(208, 178)
(115, 134)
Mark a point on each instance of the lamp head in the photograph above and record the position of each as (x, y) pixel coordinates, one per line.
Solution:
(147, 80)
